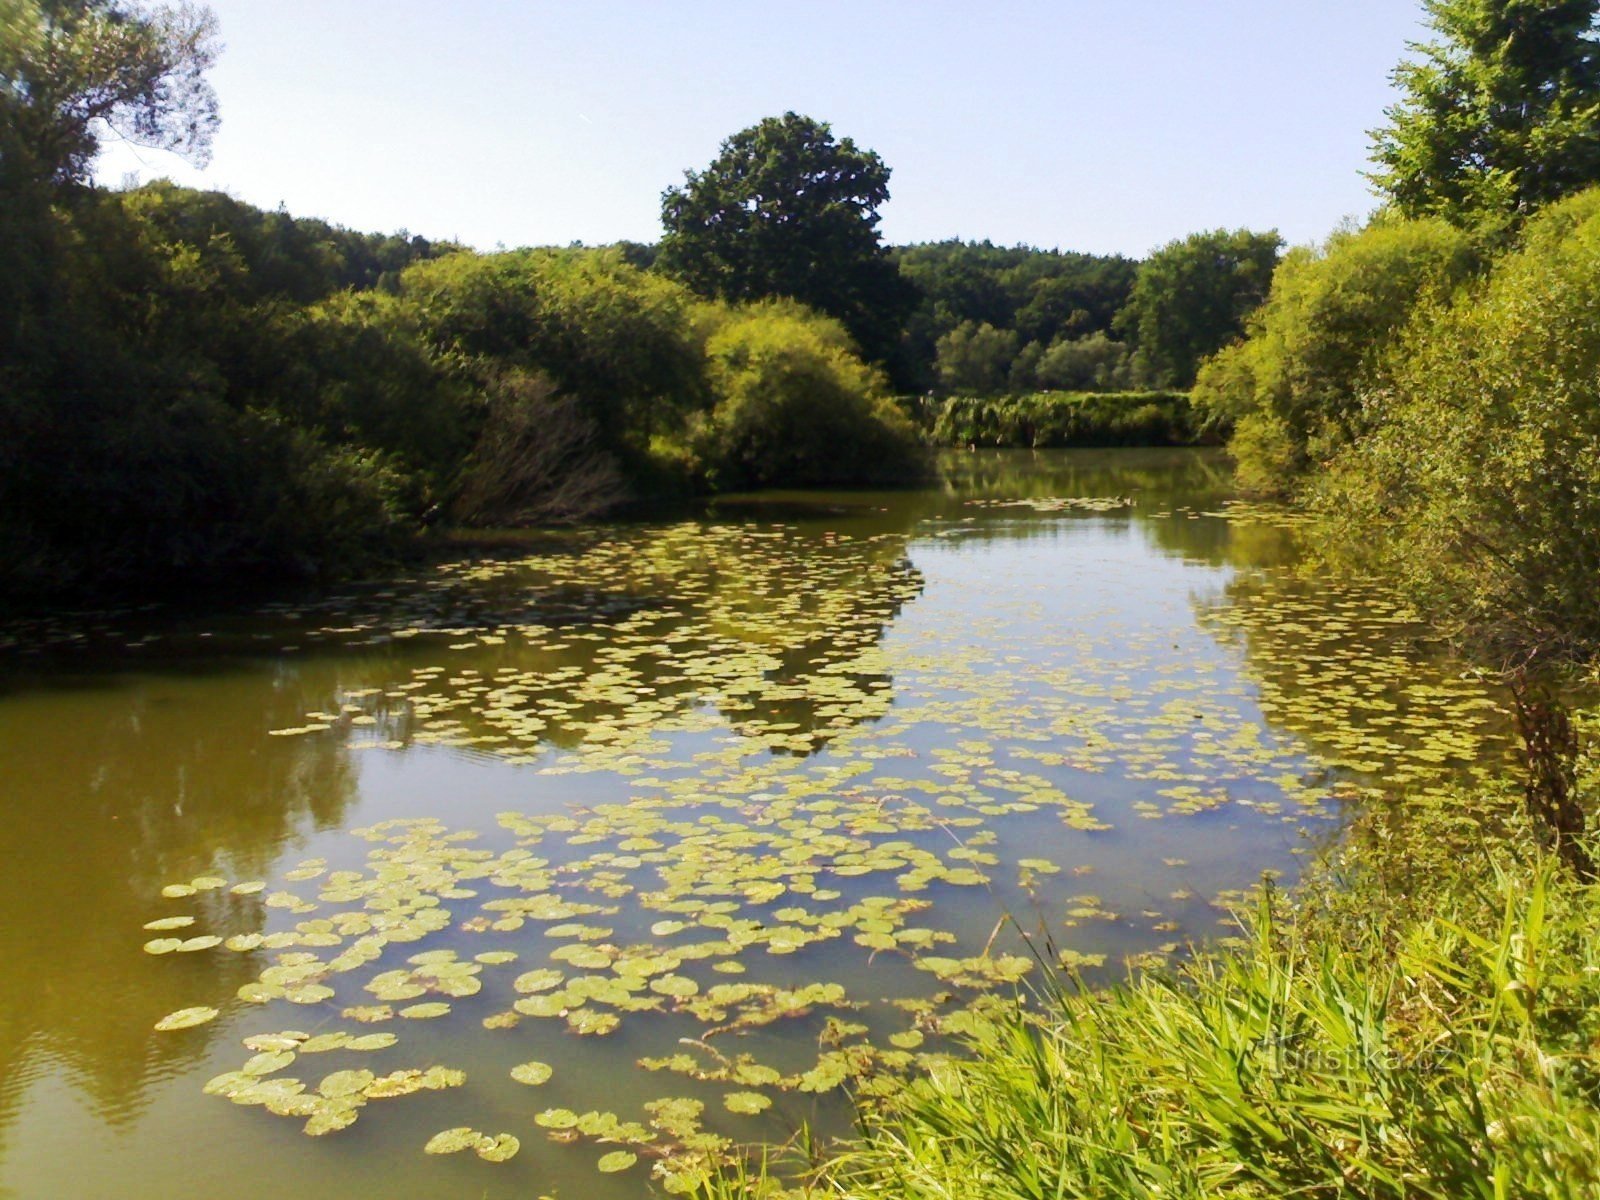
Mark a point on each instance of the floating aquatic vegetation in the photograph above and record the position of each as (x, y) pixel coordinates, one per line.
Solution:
(776, 796)
(186, 1018)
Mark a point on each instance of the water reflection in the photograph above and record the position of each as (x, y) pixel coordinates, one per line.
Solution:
(111, 792)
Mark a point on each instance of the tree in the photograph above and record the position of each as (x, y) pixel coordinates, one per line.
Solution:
(72, 69)
(1191, 298)
(976, 360)
(1499, 117)
(788, 210)
(796, 407)
(1293, 390)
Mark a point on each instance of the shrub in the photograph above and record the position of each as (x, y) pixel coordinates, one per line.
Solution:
(796, 406)
(1484, 458)
(1292, 389)
(1050, 419)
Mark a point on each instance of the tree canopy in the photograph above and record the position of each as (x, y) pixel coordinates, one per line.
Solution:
(1192, 296)
(1499, 116)
(72, 69)
(786, 209)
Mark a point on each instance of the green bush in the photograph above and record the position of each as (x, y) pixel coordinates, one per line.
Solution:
(1292, 390)
(623, 343)
(1052, 419)
(796, 406)
(1483, 463)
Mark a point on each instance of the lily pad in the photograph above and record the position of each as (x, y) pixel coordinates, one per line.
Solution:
(186, 1018)
(453, 1141)
(497, 1149)
(532, 1073)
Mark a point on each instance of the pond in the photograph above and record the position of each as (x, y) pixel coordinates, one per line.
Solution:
(583, 857)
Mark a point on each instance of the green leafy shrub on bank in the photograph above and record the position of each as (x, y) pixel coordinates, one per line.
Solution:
(1054, 419)
(796, 406)
(1482, 464)
(1291, 391)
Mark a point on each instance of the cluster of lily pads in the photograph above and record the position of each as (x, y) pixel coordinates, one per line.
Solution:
(789, 786)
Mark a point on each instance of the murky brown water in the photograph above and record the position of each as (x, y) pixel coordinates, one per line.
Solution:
(733, 779)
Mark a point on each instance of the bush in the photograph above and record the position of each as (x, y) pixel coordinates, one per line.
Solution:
(620, 342)
(537, 460)
(1053, 419)
(1292, 389)
(1093, 363)
(795, 406)
(1484, 456)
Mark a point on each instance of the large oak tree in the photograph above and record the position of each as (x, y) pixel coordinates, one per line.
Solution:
(786, 209)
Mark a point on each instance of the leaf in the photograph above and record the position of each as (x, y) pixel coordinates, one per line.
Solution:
(532, 1073)
(186, 1018)
(452, 1141)
(425, 1012)
(497, 1149)
(344, 1083)
(617, 1160)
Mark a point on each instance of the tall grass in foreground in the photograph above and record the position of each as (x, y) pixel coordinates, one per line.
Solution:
(1455, 1055)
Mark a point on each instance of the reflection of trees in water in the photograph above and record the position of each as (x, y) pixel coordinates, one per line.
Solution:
(1340, 665)
(773, 625)
(166, 778)
(1156, 476)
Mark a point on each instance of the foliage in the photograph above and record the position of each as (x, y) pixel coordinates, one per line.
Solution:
(1484, 462)
(536, 461)
(70, 68)
(142, 437)
(1191, 298)
(787, 210)
(1427, 1036)
(1498, 117)
(1292, 389)
(1044, 297)
(1049, 419)
(620, 341)
(976, 359)
(795, 406)
(1091, 363)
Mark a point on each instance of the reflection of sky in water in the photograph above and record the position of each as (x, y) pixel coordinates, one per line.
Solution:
(1025, 652)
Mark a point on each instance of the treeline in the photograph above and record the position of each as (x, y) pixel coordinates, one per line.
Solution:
(993, 321)
(192, 388)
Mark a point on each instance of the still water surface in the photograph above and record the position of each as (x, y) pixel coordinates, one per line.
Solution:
(766, 780)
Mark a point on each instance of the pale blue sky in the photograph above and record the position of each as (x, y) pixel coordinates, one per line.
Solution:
(1079, 124)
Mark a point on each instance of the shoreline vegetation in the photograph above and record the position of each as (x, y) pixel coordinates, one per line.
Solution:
(1421, 1017)
(192, 389)
(1062, 420)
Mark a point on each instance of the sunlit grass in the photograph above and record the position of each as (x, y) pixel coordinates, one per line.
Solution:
(1449, 1051)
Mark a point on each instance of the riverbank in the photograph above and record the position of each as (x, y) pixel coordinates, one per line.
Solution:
(1421, 1018)
(1057, 420)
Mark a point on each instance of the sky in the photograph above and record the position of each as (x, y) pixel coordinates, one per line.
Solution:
(1078, 125)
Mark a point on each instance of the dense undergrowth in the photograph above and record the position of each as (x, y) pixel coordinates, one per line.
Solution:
(192, 389)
